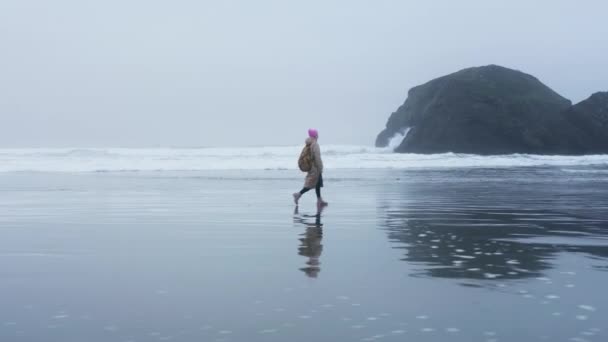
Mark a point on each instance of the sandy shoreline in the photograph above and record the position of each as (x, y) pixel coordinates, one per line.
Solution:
(222, 256)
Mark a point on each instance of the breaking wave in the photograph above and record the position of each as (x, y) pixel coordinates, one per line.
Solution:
(261, 158)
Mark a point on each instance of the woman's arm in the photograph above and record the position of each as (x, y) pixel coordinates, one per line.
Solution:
(316, 152)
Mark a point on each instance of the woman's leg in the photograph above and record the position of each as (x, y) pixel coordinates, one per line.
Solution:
(318, 191)
(297, 195)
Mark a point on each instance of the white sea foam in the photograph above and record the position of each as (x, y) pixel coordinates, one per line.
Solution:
(397, 139)
(261, 158)
(587, 307)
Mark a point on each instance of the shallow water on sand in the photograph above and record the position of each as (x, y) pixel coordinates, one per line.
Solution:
(465, 255)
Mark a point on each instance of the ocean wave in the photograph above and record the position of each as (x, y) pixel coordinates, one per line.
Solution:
(264, 158)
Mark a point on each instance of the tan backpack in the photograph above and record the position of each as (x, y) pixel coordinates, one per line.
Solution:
(305, 160)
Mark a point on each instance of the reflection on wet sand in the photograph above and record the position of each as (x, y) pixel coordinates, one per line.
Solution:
(465, 232)
(310, 242)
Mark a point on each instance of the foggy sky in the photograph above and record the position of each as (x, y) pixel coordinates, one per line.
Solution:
(137, 73)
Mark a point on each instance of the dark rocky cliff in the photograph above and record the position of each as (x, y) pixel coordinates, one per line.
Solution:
(495, 110)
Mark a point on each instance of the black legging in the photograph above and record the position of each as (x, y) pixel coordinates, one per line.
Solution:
(317, 188)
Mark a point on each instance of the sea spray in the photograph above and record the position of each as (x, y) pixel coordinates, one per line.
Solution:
(397, 139)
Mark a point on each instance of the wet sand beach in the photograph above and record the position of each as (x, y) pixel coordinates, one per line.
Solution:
(468, 254)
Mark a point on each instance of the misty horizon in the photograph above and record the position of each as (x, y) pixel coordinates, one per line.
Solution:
(232, 74)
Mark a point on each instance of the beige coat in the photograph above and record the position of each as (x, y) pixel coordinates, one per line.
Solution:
(317, 164)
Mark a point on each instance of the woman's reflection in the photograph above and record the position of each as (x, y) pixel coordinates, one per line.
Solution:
(310, 242)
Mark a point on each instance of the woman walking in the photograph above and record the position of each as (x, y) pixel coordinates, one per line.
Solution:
(314, 178)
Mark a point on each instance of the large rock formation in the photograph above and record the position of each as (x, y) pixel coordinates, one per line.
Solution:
(590, 117)
(495, 110)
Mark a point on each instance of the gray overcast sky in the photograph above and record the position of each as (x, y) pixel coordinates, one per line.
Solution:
(227, 73)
